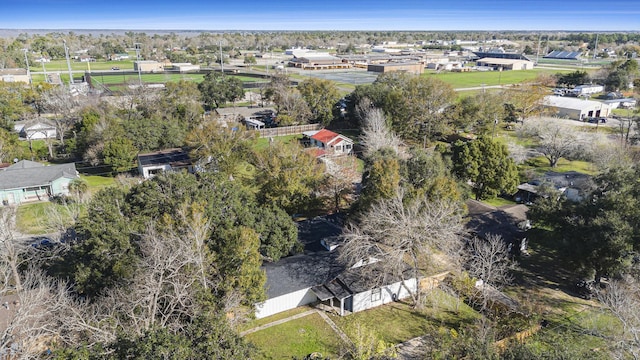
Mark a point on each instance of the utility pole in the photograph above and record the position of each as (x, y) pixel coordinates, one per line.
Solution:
(26, 61)
(595, 48)
(538, 50)
(66, 54)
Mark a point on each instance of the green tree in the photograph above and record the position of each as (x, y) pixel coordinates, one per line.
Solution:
(598, 234)
(119, 154)
(250, 60)
(487, 165)
(287, 177)
(573, 78)
(321, 97)
(380, 180)
(216, 89)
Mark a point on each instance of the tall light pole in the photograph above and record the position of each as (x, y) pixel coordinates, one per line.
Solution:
(66, 54)
(221, 58)
(137, 46)
(26, 61)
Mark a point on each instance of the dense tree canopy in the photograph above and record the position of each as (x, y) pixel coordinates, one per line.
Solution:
(486, 164)
(599, 235)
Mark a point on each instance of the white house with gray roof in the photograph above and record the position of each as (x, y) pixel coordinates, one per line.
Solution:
(27, 181)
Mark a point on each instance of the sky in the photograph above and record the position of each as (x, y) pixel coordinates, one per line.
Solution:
(427, 15)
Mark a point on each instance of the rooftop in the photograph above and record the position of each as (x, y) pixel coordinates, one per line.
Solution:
(27, 173)
(175, 157)
(570, 103)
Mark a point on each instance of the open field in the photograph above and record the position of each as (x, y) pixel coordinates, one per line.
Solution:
(61, 65)
(489, 78)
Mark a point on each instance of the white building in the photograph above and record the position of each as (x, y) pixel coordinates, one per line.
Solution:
(574, 108)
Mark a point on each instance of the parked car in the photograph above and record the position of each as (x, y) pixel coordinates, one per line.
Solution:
(42, 243)
(115, 68)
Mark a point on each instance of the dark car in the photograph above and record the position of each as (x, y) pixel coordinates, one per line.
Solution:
(42, 243)
(115, 68)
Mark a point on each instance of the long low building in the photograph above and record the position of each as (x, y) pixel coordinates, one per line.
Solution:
(414, 68)
(506, 64)
(14, 75)
(574, 108)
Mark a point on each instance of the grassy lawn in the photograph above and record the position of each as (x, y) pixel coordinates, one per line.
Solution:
(296, 339)
(61, 65)
(398, 322)
(489, 78)
(545, 286)
(263, 143)
(540, 165)
(97, 182)
(499, 201)
(269, 319)
(32, 218)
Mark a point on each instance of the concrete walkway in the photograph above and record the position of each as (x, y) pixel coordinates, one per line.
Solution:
(322, 314)
(278, 322)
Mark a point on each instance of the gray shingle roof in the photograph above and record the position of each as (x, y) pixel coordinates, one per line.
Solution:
(27, 173)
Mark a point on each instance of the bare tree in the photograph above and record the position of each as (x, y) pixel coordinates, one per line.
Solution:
(555, 140)
(400, 230)
(376, 134)
(11, 252)
(488, 261)
(622, 299)
(64, 105)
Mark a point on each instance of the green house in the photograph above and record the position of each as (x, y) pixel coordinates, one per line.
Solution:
(27, 181)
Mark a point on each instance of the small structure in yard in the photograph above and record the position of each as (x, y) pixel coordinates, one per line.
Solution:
(27, 181)
(35, 129)
(331, 143)
(150, 164)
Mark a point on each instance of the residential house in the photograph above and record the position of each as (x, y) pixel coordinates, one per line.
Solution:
(27, 181)
(509, 222)
(363, 288)
(330, 143)
(35, 129)
(316, 276)
(119, 57)
(152, 163)
(571, 184)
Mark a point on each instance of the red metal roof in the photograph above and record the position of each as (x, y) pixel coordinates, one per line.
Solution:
(324, 136)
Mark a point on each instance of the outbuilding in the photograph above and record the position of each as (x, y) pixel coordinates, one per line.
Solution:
(148, 66)
(576, 109)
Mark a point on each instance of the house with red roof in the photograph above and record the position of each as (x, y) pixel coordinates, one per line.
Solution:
(331, 143)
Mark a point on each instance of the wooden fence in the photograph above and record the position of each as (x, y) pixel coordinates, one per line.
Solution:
(288, 130)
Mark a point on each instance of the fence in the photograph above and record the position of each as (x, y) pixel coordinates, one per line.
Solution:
(288, 130)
